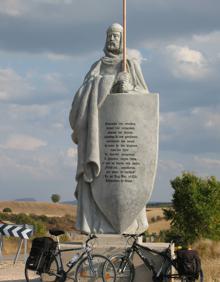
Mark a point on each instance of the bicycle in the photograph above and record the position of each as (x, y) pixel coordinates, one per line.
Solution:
(89, 267)
(168, 270)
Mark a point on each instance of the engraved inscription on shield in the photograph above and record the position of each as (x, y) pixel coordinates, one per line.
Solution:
(129, 128)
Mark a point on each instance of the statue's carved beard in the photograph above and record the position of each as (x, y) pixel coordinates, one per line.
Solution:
(113, 47)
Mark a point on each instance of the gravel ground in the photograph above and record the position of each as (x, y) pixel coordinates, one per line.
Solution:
(11, 272)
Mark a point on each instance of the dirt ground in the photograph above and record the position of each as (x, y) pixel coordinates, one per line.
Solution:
(10, 272)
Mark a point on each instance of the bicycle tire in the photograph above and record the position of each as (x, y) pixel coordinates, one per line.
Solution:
(182, 278)
(103, 272)
(128, 274)
(52, 274)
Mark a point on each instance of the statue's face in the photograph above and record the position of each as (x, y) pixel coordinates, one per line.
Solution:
(113, 41)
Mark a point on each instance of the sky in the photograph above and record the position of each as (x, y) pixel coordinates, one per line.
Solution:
(47, 47)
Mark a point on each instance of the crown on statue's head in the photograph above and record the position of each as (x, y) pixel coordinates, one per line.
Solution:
(115, 27)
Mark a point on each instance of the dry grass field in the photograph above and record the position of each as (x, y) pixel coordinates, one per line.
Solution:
(209, 252)
(39, 208)
(155, 225)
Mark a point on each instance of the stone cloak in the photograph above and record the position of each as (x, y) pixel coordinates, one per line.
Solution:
(84, 120)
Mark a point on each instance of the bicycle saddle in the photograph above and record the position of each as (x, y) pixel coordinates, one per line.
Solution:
(133, 235)
(56, 232)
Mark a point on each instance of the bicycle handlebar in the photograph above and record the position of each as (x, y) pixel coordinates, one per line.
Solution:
(135, 236)
(91, 237)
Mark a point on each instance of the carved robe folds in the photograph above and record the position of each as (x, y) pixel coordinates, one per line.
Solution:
(117, 175)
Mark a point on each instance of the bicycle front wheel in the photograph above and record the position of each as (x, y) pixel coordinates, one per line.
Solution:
(95, 269)
(124, 268)
(49, 275)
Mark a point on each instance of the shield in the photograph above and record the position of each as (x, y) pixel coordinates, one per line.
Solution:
(128, 141)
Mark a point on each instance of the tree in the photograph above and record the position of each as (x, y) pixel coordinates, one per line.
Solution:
(7, 210)
(55, 198)
(195, 212)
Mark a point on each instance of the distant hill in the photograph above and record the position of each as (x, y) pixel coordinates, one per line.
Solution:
(74, 203)
(158, 204)
(26, 200)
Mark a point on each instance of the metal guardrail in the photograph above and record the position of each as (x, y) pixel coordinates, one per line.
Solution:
(23, 232)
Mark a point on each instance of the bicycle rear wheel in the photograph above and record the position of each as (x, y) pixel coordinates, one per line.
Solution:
(190, 279)
(52, 274)
(181, 278)
(124, 268)
(95, 269)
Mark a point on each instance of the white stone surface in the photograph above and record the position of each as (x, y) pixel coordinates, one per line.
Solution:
(128, 140)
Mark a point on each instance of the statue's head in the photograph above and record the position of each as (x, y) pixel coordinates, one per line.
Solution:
(114, 39)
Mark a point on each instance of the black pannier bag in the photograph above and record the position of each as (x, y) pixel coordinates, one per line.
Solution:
(40, 254)
(188, 263)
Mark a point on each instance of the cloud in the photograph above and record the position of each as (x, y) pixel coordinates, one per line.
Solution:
(23, 142)
(170, 165)
(211, 38)
(135, 55)
(186, 55)
(67, 27)
(209, 42)
(12, 8)
(207, 162)
(55, 2)
(40, 165)
(58, 57)
(72, 153)
(13, 86)
(28, 111)
(13, 165)
(36, 174)
(54, 84)
(191, 131)
(187, 62)
(58, 125)
(31, 87)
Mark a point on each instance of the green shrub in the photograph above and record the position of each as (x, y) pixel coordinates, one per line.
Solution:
(55, 198)
(195, 212)
(41, 223)
(7, 210)
(153, 219)
(39, 228)
(158, 217)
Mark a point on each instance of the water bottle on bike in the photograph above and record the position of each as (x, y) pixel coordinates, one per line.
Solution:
(73, 259)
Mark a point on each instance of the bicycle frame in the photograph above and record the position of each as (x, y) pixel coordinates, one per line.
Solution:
(86, 251)
(59, 252)
(138, 249)
(166, 258)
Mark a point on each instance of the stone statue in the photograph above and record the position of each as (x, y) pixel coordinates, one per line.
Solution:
(87, 119)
